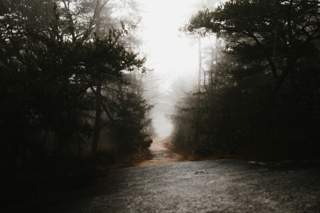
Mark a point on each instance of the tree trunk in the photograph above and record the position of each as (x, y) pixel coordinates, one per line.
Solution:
(97, 123)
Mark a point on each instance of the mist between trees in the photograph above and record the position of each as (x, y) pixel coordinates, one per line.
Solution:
(70, 87)
(261, 96)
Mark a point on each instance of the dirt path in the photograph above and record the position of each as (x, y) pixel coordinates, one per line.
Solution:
(161, 154)
(207, 187)
(214, 186)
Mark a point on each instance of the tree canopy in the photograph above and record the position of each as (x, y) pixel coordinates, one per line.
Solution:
(280, 35)
(63, 71)
(262, 97)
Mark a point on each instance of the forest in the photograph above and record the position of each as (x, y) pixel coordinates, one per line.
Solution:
(79, 128)
(70, 88)
(260, 98)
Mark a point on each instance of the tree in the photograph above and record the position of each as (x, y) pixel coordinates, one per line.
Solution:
(280, 35)
(99, 27)
(263, 99)
(52, 68)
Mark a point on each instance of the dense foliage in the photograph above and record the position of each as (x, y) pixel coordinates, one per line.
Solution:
(263, 98)
(65, 77)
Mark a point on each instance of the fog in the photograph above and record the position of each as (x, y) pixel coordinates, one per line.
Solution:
(172, 55)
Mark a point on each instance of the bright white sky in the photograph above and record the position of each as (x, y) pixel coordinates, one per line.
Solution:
(171, 54)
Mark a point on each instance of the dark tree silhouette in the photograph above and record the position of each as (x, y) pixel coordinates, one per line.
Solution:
(263, 99)
(280, 34)
(58, 76)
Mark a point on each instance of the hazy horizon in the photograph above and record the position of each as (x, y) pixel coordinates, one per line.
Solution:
(171, 54)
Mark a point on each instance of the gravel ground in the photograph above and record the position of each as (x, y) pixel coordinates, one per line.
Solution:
(164, 184)
(203, 186)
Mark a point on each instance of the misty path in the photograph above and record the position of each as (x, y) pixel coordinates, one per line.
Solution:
(204, 186)
(161, 154)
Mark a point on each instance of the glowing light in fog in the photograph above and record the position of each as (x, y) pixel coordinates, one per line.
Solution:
(171, 54)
